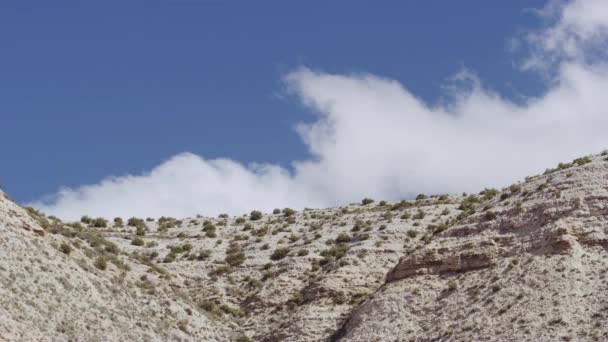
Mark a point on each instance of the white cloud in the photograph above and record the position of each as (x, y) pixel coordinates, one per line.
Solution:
(579, 32)
(373, 137)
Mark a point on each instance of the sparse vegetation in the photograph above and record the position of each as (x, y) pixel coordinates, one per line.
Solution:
(279, 253)
(288, 212)
(582, 161)
(490, 215)
(65, 248)
(101, 263)
(513, 255)
(234, 255)
(137, 241)
(135, 222)
(420, 214)
(209, 229)
(343, 238)
(367, 201)
(118, 222)
(255, 215)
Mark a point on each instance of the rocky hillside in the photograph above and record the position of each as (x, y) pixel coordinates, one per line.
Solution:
(524, 263)
(529, 263)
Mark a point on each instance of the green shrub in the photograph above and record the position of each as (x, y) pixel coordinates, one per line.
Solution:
(235, 259)
(367, 201)
(336, 252)
(296, 300)
(134, 222)
(65, 248)
(136, 241)
(180, 249)
(468, 204)
(420, 214)
(452, 286)
(204, 254)
(255, 215)
(420, 197)
(208, 306)
(582, 161)
(164, 219)
(231, 311)
(169, 258)
(234, 255)
(140, 231)
(101, 263)
(542, 186)
(209, 229)
(359, 225)
(343, 238)
(361, 237)
(490, 215)
(111, 247)
(75, 225)
(118, 222)
(388, 216)
(276, 211)
(515, 188)
(242, 338)
(279, 253)
(401, 205)
(288, 212)
(488, 193)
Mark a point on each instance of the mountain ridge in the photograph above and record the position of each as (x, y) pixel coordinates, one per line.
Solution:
(440, 267)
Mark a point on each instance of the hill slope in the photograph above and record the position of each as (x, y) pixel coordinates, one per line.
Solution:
(524, 263)
(47, 294)
(530, 265)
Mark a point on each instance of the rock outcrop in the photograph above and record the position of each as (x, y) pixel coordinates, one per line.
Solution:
(527, 263)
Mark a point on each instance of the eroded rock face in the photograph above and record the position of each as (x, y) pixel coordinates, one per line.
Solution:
(529, 263)
(186, 287)
(465, 259)
(535, 269)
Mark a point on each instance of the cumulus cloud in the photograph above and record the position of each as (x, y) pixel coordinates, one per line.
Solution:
(578, 33)
(373, 137)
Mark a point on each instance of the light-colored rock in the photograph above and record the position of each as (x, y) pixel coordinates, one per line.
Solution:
(527, 264)
(535, 271)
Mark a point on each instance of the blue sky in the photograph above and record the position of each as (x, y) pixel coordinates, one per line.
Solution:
(181, 107)
(89, 90)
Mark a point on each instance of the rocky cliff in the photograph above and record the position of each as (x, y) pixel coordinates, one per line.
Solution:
(527, 262)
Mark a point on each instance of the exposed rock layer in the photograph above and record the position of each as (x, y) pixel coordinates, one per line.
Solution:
(528, 263)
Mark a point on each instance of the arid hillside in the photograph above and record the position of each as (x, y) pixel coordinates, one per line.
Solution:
(528, 262)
